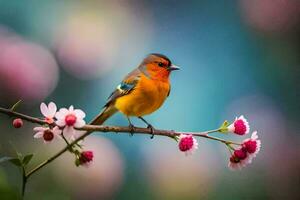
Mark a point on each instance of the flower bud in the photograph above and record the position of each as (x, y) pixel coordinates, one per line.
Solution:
(86, 157)
(187, 144)
(18, 123)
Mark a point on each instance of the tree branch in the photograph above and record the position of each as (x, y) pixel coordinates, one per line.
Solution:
(11, 113)
(117, 129)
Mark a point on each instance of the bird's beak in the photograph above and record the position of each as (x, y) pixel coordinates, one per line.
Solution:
(173, 67)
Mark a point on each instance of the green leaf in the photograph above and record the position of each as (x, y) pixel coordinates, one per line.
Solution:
(5, 159)
(16, 161)
(27, 159)
(225, 124)
(223, 128)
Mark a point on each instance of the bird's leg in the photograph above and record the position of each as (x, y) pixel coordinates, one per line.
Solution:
(131, 126)
(148, 126)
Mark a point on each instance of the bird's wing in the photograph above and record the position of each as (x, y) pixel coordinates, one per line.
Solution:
(126, 86)
(169, 91)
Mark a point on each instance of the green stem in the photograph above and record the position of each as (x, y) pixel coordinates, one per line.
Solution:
(213, 131)
(24, 181)
(15, 105)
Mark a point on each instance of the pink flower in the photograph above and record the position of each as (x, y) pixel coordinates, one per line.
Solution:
(70, 118)
(243, 156)
(187, 144)
(86, 157)
(240, 154)
(47, 134)
(237, 163)
(240, 126)
(18, 123)
(252, 145)
(48, 111)
(238, 159)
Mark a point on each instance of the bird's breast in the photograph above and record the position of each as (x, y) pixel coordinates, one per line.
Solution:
(147, 96)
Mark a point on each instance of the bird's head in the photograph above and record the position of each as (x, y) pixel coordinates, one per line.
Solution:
(157, 66)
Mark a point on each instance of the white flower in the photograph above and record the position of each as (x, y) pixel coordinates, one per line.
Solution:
(48, 111)
(47, 134)
(69, 119)
(187, 144)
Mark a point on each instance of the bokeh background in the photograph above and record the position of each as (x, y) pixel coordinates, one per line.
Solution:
(237, 57)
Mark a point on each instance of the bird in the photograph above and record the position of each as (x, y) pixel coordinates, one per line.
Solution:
(141, 92)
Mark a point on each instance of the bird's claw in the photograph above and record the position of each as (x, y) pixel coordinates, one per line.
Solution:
(132, 129)
(152, 130)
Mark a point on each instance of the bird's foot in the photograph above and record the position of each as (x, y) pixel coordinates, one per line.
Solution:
(132, 129)
(152, 130)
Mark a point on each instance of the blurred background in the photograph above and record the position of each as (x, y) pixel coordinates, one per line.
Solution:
(237, 57)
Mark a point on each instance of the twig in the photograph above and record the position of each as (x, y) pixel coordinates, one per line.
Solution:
(22, 116)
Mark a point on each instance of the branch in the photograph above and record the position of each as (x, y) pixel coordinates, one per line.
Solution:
(11, 113)
(138, 130)
(117, 129)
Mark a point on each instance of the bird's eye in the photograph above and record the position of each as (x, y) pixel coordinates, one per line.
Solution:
(160, 64)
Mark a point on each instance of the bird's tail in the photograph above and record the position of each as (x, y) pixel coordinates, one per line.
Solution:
(106, 113)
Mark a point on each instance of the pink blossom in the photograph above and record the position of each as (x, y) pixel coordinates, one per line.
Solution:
(47, 134)
(69, 119)
(86, 157)
(252, 145)
(243, 156)
(187, 144)
(237, 163)
(240, 126)
(240, 154)
(48, 111)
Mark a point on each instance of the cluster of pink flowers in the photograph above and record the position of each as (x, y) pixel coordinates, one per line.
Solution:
(247, 151)
(65, 121)
(241, 156)
(62, 123)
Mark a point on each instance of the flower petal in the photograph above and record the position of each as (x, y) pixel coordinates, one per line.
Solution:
(39, 129)
(254, 135)
(44, 109)
(57, 136)
(71, 108)
(69, 131)
(61, 113)
(56, 131)
(61, 122)
(38, 135)
(79, 123)
(79, 113)
(52, 109)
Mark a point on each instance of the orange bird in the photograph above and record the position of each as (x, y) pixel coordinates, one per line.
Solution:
(141, 92)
